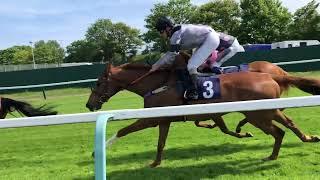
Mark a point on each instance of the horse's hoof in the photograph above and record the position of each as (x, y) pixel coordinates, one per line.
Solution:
(249, 134)
(92, 154)
(315, 138)
(210, 126)
(238, 130)
(270, 158)
(154, 164)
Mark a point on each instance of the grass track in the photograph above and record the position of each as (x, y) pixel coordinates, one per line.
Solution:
(63, 151)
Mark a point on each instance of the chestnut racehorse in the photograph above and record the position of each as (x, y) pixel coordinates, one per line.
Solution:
(234, 87)
(8, 105)
(256, 66)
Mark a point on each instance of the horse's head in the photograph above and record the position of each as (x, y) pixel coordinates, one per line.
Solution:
(5, 107)
(3, 111)
(134, 77)
(106, 87)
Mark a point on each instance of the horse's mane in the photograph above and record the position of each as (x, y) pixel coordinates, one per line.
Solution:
(135, 65)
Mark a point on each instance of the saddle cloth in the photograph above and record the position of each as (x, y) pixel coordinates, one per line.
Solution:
(209, 86)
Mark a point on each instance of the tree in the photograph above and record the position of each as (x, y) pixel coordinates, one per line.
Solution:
(263, 21)
(180, 11)
(82, 51)
(45, 52)
(306, 22)
(113, 38)
(48, 52)
(221, 15)
(16, 55)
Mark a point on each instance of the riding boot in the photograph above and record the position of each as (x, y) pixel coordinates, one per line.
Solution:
(192, 91)
(183, 78)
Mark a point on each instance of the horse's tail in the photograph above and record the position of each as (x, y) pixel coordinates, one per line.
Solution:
(26, 108)
(308, 85)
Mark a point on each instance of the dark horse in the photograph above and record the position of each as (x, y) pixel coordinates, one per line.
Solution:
(8, 105)
(234, 87)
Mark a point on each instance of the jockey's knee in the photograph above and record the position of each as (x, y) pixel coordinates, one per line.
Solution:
(192, 69)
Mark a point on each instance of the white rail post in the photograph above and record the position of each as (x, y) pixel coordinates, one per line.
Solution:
(100, 147)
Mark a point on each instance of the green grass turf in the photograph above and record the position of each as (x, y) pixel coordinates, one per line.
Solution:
(64, 151)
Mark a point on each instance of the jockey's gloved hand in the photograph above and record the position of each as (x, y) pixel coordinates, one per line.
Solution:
(154, 68)
(216, 70)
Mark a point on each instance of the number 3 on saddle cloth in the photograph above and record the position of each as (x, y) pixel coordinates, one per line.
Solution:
(209, 87)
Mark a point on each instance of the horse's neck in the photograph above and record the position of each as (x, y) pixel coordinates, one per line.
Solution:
(146, 84)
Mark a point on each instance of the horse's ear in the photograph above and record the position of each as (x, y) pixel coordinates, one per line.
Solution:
(108, 67)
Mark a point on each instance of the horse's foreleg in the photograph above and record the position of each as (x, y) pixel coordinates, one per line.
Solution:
(3, 113)
(136, 126)
(266, 125)
(220, 123)
(205, 125)
(287, 122)
(163, 134)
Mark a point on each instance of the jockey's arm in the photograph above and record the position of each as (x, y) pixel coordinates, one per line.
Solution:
(166, 59)
(169, 57)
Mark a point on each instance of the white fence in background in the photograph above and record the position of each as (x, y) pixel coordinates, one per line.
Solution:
(21, 67)
(103, 117)
(93, 80)
(47, 85)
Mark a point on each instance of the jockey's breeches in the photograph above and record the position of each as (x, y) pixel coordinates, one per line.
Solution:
(201, 54)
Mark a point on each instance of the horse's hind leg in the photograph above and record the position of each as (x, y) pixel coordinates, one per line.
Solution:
(240, 124)
(281, 118)
(163, 134)
(220, 123)
(205, 125)
(265, 124)
(244, 122)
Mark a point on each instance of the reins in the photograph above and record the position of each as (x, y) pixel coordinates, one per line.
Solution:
(126, 86)
(140, 78)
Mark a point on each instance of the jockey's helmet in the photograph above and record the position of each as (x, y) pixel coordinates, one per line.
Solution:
(162, 23)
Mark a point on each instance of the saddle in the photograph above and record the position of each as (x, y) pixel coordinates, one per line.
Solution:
(224, 70)
(208, 83)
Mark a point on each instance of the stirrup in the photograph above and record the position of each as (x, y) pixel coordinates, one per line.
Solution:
(217, 70)
(185, 96)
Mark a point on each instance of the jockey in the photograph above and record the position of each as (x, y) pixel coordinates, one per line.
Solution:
(186, 37)
(227, 48)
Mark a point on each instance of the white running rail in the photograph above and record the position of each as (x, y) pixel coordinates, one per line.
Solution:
(47, 85)
(103, 117)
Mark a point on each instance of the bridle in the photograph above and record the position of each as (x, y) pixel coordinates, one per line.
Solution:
(107, 95)
(104, 96)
